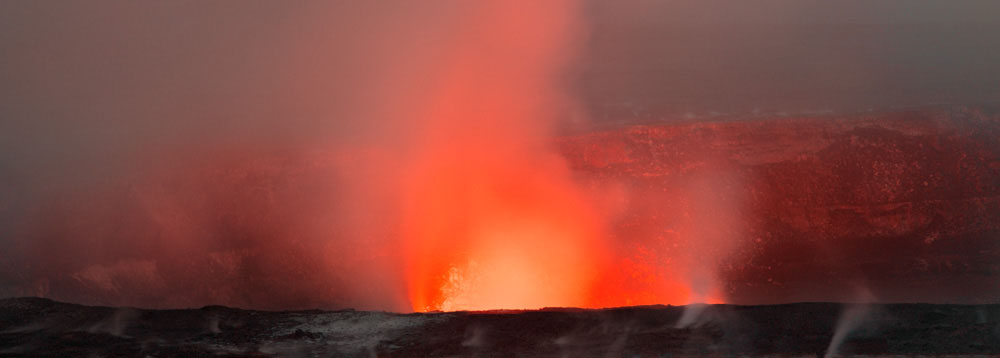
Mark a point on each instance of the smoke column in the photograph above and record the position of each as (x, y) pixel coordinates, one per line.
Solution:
(492, 219)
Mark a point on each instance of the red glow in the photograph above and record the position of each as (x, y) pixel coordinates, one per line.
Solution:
(418, 170)
(492, 218)
(500, 234)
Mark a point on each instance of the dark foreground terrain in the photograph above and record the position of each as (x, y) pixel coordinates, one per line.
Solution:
(33, 327)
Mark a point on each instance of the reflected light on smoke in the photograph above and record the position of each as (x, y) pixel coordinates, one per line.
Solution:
(492, 216)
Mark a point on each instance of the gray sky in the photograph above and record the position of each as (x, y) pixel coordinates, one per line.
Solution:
(668, 58)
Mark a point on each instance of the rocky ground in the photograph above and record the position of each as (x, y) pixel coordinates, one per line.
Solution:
(33, 327)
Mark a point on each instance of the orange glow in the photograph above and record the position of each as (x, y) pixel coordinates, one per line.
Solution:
(403, 155)
(492, 218)
(499, 234)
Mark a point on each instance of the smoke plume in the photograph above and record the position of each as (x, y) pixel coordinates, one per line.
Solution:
(384, 155)
(403, 156)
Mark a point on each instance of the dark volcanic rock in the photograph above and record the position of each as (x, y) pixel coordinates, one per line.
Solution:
(41, 328)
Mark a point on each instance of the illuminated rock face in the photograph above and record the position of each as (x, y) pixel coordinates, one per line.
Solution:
(901, 206)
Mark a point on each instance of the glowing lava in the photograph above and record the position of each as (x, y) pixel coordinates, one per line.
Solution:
(501, 235)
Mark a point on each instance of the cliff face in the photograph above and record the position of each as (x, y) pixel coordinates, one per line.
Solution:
(890, 207)
(902, 206)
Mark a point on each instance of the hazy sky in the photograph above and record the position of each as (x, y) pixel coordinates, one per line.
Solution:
(669, 58)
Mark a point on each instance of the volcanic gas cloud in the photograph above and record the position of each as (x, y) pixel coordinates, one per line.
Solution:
(430, 156)
(440, 189)
(492, 218)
